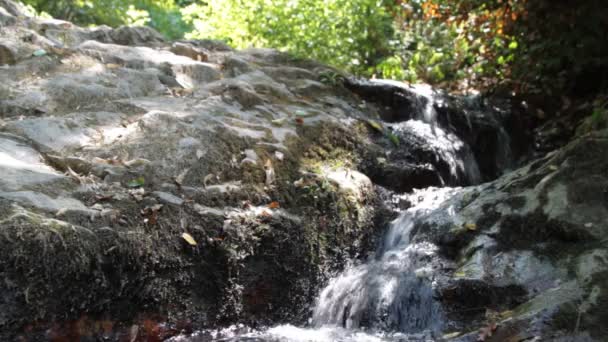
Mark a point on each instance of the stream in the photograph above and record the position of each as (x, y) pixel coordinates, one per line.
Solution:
(389, 296)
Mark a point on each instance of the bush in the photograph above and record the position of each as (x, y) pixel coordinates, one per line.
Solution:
(162, 15)
(354, 35)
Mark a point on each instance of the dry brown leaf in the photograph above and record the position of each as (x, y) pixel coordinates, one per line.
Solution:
(265, 213)
(151, 214)
(102, 198)
(274, 205)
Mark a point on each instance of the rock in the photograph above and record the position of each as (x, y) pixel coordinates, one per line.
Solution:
(7, 54)
(235, 66)
(76, 120)
(136, 35)
(6, 18)
(209, 44)
(14, 8)
(168, 198)
(22, 166)
(187, 72)
(184, 49)
(533, 233)
(351, 182)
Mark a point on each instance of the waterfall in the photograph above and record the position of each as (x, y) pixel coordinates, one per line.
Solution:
(391, 296)
(395, 290)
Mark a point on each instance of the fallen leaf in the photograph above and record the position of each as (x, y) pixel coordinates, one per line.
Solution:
(136, 183)
(470, 226)
(393, 138)
(274, 205)
(299, 121)
(102, 198)
(179, 180)
(133, 163)
(279, 122)
(189, 239)
(451, 335)
(265, 213)
(375, 125)
(39, 53)
(151, 214)
(459, 274)
(269, 172)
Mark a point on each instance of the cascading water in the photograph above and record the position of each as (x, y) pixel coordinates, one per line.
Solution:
(450, 148)
(391, 296)
(394, 291)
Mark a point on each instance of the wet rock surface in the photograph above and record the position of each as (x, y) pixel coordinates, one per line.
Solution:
(529, 246)
(151, 188)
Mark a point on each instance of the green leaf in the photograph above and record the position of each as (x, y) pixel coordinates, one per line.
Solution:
(136, 183)
(393, 138)
(375, 125)
(39, 53)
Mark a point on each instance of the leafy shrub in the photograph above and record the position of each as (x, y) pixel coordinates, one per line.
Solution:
(349, 34)
(163, 15)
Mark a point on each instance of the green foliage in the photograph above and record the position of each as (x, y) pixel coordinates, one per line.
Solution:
(349, 34)
(162, 15)
(331, 78)
(528, 46)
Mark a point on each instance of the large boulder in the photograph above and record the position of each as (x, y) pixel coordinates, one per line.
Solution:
(529, 246)
(142, 185)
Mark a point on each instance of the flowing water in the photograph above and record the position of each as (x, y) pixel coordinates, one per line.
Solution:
(387, 298)
(390, 296)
